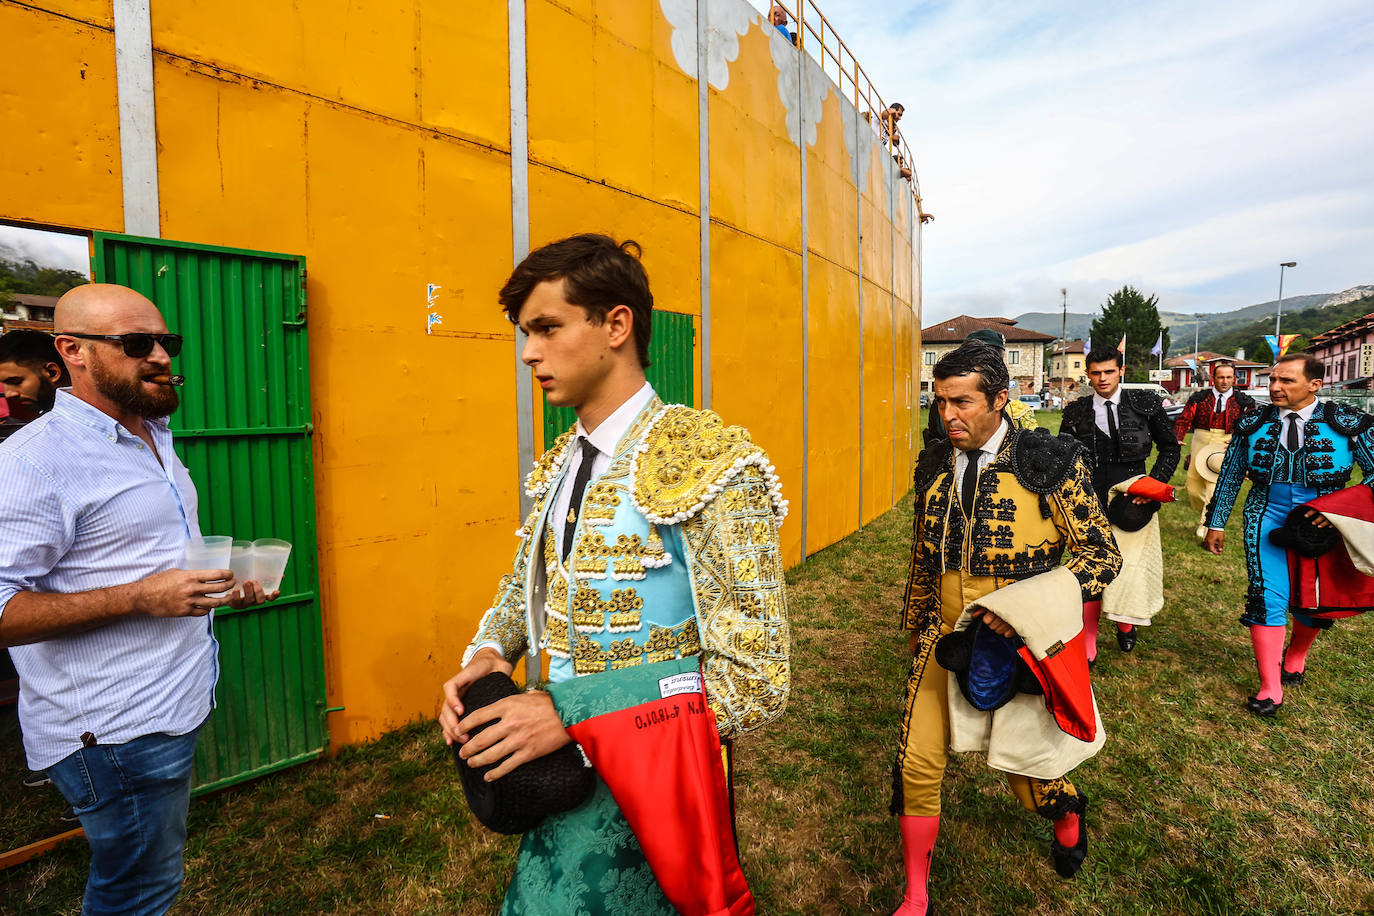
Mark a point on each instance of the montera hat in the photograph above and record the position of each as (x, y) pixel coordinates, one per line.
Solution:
(988, 336)
(518, 801)
(1207, 459)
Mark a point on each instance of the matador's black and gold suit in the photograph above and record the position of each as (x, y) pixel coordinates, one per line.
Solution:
(1033, 501)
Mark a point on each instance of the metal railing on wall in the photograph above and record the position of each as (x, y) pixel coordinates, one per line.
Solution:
(816, 36)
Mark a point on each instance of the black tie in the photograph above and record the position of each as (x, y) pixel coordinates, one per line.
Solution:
(1292, 432)
(1111, 431)
(584, 473)
(970, 482)
(1218, 409)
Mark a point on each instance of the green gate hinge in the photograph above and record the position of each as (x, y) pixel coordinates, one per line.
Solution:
(329, 709)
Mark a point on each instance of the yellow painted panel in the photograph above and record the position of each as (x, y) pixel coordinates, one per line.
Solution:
(755, 166)
(832, 198)
(59, 115)
(396, 510)
(95, 12)
(903, 459)
(833, 471)
(757, 322)
(878, 403)
(877, 242)
(631, 118)
(464, 68)
(232, 161)
(562, 205)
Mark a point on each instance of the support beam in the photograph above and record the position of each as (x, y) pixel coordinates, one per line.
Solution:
(133, 33)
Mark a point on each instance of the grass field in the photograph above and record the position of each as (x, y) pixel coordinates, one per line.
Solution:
(1197, 807)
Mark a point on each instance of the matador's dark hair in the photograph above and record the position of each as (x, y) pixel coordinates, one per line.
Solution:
(1312, 368)
(1104, 355)
(978, 358)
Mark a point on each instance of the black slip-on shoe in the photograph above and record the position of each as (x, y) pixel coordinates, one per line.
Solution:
(1069, 859)
(1126, 640)
(1291, 678)
(1265, 708)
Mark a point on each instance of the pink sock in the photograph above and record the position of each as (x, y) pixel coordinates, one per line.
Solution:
(918, 846)
(1066, 831)
(1268, 643)
(1125, 627)
(1295, 659)
(1092, 613)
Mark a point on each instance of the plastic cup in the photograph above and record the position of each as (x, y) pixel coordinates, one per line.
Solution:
(210, 552)
(269, 562)
(241, 562)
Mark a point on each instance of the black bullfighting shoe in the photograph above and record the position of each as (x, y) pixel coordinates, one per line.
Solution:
(1069, 859)
(1265, 708)
(1126, 639)
(1291, 678)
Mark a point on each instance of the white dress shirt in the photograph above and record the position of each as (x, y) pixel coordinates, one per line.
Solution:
(605, 438)
(985, 455)
(1219, 399)
(1100, 409)
(1303, 416)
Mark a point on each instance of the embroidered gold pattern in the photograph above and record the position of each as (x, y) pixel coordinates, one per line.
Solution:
(588, 656)
(600, 504)
(546, 470)
(623, 653)
(556, 633)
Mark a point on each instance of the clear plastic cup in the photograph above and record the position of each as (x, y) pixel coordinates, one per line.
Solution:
(241, 562)
(269, 562)
(209, 552)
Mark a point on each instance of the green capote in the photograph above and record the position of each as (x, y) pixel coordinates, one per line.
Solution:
(587, 861)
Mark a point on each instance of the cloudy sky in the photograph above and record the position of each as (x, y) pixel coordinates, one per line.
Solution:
(1183, 147)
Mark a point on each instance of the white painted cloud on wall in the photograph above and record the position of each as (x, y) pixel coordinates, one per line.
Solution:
(803, 103)
(726, 21)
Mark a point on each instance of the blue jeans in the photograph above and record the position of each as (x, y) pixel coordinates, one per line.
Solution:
(132, 801)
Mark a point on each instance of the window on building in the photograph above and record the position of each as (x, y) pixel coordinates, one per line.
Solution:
(1013, 357)
(930, 357)
(1077, 363)
(1351, 366)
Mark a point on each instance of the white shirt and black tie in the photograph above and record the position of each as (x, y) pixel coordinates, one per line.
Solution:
(967, 480)
(1293, 432)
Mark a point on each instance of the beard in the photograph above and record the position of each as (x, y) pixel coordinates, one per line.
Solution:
(47, 396)
(128, 392)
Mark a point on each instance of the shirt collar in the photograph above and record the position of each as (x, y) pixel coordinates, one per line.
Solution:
(608, 435)
(994, 443)
(1304, 415)
(1099, 400)
(87, 414)
(1222, 394)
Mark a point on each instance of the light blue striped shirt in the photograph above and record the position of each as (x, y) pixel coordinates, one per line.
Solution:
(84, 505)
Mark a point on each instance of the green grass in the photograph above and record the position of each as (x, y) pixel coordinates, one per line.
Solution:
(1198, 807)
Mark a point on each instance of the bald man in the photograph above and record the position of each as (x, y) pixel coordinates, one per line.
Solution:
(112, 639)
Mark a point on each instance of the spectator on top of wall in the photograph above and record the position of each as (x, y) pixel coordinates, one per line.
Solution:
(778, 17)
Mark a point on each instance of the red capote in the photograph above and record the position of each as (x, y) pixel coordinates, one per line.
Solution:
(662, 762)
(1068, 689)
(1330, 586)
(1150, 488)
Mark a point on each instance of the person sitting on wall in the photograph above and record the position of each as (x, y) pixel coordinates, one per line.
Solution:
(778, 17)
(1120, 427)
(30, 374)
(1019, 412)
(653, 541)
(996, 509)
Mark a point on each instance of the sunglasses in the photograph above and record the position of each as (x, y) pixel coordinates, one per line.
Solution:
(136, 345)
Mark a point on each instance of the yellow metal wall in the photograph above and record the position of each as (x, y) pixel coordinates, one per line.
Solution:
(374, 138)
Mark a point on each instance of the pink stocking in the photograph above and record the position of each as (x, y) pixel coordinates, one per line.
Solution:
(1092, 613)
(918, 846)
(1295, 659)
(1268, 643)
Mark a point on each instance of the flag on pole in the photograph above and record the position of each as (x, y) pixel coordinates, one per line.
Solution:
(1279, 345)
(1158, 348)
(1122, 346)
(1088, 344)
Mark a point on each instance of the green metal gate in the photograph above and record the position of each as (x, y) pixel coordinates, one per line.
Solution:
(671, 370)
(244, 431)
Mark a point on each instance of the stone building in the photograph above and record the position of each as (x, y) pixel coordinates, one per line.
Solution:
(1025, 350)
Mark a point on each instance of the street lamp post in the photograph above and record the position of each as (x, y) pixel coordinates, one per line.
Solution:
(1278, 316)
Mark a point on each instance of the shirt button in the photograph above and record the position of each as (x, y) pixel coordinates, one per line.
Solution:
(140, 446)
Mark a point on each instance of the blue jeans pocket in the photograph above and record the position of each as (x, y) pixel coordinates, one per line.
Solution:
(73, 779)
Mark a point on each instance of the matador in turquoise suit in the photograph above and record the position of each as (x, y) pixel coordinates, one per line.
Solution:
(653, 539)
(1294, 450)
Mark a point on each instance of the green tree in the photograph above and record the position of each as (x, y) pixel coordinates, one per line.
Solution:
(1128, 312)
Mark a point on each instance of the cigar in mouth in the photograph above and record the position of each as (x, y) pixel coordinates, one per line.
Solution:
(174, 380)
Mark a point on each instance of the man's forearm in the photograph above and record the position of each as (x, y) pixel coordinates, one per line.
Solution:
(31, 617)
